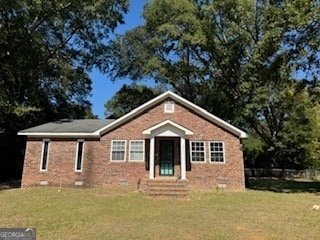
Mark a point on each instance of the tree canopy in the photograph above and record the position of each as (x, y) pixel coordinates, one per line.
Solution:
(127, 99)
(47, 49)
(252, 63)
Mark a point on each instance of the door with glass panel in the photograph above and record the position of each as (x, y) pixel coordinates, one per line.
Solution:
(166, 157)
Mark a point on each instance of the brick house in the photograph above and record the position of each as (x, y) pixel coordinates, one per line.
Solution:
(166, 138)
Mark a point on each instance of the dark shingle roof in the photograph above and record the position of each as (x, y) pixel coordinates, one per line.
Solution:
(69, 126)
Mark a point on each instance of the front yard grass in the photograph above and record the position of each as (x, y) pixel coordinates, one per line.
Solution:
(122, 213)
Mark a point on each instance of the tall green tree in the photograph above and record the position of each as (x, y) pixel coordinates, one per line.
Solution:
(47, 49)
(128, 98)
(238, 59)
(296, 135)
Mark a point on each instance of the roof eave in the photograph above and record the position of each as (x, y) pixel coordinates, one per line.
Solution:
(167, 122)
(59, 135)
(223, 124)
(204, 113)
(134, 112)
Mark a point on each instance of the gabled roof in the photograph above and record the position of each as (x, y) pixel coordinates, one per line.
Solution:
(96, 128)
(202, 112)
(68, 128)
(167, 123)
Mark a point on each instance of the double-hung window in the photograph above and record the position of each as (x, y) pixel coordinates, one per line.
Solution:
(79, 156)
(197, 151)
(118, 150)
(217, 152)
(136, 150)
(44, 155)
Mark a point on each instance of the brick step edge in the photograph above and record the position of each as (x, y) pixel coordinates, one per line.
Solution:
(168, 189)
(171, 194)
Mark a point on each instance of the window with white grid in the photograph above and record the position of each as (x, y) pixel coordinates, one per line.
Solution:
(137, 150)
(118, 152)
(197, 151)
(217, 152)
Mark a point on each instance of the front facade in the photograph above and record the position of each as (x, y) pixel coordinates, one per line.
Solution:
(167, 137)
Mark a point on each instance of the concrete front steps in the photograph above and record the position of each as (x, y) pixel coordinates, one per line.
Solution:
(167, 188)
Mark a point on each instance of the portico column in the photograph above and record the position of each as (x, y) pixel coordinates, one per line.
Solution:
(183, 157)
(151, 167)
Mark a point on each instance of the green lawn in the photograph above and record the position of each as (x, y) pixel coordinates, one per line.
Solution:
(103, 213)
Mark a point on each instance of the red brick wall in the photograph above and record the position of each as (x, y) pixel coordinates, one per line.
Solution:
(99, 170)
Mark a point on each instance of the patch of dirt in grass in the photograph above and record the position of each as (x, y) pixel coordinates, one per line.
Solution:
(257, 238)
(253, 236)
(241, 228)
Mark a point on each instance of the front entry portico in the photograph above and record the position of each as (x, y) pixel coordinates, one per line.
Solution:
(168, 130)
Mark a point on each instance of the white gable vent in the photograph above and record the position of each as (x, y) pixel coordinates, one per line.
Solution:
(169, 107)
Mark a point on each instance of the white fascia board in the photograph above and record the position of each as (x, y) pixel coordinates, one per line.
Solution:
(223, 124)
(59, 135)
(213, 118)
(175, 125)
(134, 112)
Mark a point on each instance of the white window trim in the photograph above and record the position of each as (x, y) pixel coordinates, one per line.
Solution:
(82, 154)
(224, 152)
(42, 153)
(143, 150)
(204, 146)
(166, 110)
(125, 150)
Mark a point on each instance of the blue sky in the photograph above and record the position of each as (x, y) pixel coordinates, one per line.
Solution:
(103, 88)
